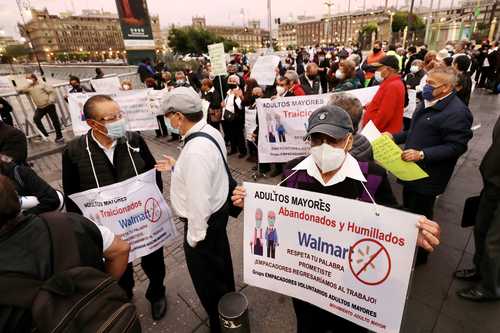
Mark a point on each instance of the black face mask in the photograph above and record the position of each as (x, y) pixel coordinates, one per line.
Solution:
(376, 50)
(232, 86)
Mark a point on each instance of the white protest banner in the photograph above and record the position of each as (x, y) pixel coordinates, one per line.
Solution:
(283, 124)
(6, 85)
(332, 252)
(365, 95)
(133, 103)
(133, 209)
(264, 70)
(106, 85)
(217, 58)
(412, 104)
(154, 100)
(250, 122)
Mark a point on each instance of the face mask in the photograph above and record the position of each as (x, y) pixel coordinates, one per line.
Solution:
(378, 76)
(321, 58)
(427, 92)
(258, 223)
(116, 129)
(180, 82)
(280, 90)
(232, 86)
(339, 74)
(30, 81)
(414, 69)
(376, 50)
(270, 221)
(169, 126)
(126, 87)
(354, 49)
(328, 158)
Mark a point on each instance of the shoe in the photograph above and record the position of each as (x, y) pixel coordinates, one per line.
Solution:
(470, 275)
(476, 295)
(159, 308)
(59, 140)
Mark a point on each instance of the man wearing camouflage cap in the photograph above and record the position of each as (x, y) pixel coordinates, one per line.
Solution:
(199, 193)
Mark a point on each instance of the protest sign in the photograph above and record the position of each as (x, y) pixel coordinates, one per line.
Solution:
(133, 103)
(283, 123)
(388, 155)
(264, 70)
(217, 58)
(332, 252)
(412, 104)
(6, 85)
(106, 85)
(154, 98)
(250, 122)
(133, 209)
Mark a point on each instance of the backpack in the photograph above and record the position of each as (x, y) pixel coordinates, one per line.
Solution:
(75, 298)
(233, 211)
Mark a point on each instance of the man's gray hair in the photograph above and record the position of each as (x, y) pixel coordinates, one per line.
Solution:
(351, 104)
(234, 77)
(311, 65)
(355, 58)
(292, 76)
(418, 62)
(448, 74)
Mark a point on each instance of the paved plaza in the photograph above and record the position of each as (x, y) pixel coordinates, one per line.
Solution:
(432, 306)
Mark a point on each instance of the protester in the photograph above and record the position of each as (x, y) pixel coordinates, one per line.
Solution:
(162, 130)
(106, 155)
(99, 74)
(386, 107)
(76, 86)
(199, 195)
(13, 143)
(484, 67)
(360, 74)
(486, 271)
(310, 80)
(411, 57)
(415, 75)
(212, 96)
(44, 98)
(180, 80)
(346, 75)
(283, 87)
(439, 132)
(296, 88)
(392, 52)
(25, 249)
(145, 70)
(166, 78)
(323, 65)
(464, 82)
(126, 85)
(5, 112)
(234, 117)
(330, 169)
(374, 57)
(35, 194)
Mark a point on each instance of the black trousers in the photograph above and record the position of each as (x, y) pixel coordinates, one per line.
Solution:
(162, 131)
(154, 266)
(235, 130)
(210, 266)
(7, 117)
(421, 204)
(51, 111)
(311, 319)
(487, 239)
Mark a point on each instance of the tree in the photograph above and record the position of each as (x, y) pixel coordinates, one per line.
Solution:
(16, 51)
(195, 41)
(400, 21)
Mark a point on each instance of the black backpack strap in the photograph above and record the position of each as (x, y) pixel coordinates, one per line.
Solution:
(209, 137)
(65, 253)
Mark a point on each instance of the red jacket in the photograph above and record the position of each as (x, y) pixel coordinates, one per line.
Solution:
(387, 106)
(298, 90)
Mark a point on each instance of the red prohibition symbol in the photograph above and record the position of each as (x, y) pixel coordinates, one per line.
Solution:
(152, 210)
(369, 262)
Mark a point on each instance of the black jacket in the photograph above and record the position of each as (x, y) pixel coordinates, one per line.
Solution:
(413, 79)
(490, 166)
(308, 89)
(24, 248)
(13, 143)
(442, 132)
(77, 175)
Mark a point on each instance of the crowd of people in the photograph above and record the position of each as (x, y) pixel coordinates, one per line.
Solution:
(203, 192)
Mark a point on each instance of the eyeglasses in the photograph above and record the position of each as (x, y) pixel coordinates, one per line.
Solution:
(113, 118)
(317, 140)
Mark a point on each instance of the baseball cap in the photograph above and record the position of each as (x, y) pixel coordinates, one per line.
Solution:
(182, 99)
(389, 61)
(330, 120)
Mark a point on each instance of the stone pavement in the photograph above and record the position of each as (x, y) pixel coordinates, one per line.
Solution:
(432, 306)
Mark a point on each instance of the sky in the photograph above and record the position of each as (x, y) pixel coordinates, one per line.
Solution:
(179, 12)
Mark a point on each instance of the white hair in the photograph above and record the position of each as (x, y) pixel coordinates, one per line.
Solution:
(234, 78)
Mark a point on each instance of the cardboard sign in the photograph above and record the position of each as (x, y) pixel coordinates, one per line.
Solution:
(217, 58)
(106, 85)
(264, 70)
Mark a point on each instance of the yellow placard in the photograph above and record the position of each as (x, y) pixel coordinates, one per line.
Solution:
(388, 155)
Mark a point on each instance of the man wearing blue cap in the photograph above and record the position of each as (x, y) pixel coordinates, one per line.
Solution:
(199, 194)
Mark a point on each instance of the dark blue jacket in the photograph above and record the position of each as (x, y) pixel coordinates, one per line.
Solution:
(441, 132)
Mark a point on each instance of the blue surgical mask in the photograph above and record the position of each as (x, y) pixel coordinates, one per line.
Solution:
(170, 128)
(427, 91)
(378, 77)
(116, 129)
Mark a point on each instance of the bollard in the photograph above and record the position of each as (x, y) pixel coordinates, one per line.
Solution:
(233, 313)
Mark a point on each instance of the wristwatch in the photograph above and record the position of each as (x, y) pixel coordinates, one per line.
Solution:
(421, 155)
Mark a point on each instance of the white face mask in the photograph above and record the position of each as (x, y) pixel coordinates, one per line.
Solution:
(414, 69)
(328, 158)
(339, 74)
(280, 90)
(378, 76)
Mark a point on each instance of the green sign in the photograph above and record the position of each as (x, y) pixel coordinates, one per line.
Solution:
(477, 11)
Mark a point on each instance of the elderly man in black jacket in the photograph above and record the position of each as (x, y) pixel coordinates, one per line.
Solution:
(439, 132)
(108, 149)
(486, 231)
(310, 80)
(13, 143)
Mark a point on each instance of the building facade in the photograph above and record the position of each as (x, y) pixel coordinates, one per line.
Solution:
(250, 37)
(160, 42)
(287, 35)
